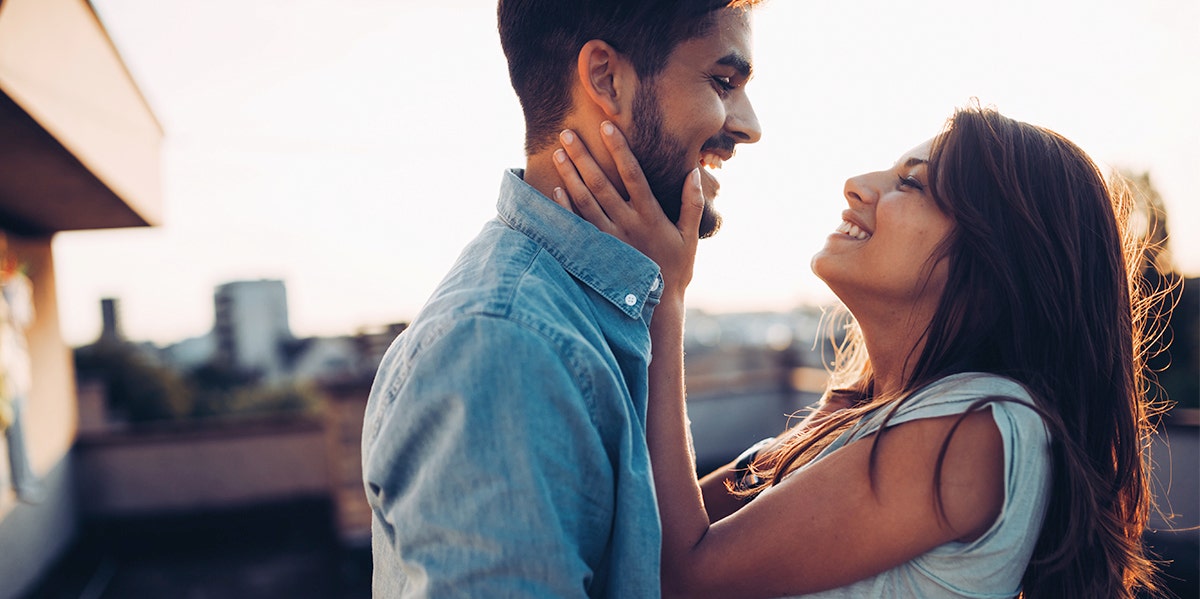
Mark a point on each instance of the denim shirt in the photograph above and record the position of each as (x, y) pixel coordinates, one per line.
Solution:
(504, 445)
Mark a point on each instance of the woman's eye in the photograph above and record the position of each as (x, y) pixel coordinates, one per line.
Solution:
(911, 182)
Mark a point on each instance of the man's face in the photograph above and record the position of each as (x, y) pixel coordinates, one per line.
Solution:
(694, 112)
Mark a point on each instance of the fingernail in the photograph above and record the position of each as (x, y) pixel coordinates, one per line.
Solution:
(560, 195)
(567, 136)
(695, 176)
(560, 156)
(607, 128)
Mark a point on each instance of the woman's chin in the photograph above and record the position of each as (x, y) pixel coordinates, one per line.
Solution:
(823, 266)
(820, 264)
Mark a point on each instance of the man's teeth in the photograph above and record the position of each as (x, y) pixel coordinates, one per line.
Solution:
(711, 160)
(854, 231)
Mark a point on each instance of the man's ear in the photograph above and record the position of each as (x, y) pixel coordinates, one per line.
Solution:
(607, 77)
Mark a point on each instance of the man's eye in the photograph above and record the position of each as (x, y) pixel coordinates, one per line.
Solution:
(723, 83)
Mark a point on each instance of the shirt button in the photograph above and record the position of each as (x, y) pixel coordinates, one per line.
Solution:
(654, 285)
(630, 299)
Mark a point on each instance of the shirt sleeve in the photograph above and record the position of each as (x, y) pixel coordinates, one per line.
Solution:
(486, 473)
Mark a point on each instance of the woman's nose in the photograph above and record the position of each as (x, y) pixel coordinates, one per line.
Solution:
(859, 189)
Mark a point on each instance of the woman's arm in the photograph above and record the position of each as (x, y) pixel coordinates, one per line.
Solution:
(718, 501)
(640, 222)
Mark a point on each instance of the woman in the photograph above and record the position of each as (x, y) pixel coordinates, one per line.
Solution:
(984, 430)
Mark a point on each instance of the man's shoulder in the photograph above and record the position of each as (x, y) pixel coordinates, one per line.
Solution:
(502, 292)
(506, 275)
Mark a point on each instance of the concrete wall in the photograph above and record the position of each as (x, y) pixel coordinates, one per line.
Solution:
(33, 536)
(191, 469)
(50, 410)
(38, 532)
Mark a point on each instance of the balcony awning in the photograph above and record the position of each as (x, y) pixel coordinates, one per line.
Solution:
(79, 145)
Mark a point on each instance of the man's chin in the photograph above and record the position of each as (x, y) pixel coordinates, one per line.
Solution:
(710, 220)
(709, 184)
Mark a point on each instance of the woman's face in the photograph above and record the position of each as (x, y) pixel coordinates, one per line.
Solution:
(884, 250)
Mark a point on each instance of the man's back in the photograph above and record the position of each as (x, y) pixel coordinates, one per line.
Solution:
(504, 444)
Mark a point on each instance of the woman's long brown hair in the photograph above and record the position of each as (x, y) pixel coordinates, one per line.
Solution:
(1043, 287)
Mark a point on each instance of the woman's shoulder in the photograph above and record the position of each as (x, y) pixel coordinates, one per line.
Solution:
(1002, 552)
(1009, 401)
(965, 385)
(958, 393)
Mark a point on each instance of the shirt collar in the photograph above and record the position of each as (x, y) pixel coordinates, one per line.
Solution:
(614, 269)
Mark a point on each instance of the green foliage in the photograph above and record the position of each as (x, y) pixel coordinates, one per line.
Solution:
(138, 390)
(289, 398)
(223, 391)
(215, 386)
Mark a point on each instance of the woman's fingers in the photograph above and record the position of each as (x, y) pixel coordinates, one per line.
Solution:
(640, 221)
(691, 208)
(560, 197)
(581, 198)
(595, 182)
(641, 198)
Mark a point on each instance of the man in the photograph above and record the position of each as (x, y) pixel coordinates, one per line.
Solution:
(504, 449)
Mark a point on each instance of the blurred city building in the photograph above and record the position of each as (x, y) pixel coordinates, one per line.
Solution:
(251, 334)
(80, 148)
(251, 326)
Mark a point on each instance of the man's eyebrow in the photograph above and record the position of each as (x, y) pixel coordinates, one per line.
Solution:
(740, 63)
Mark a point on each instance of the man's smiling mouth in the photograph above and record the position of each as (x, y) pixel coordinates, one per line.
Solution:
(712, 159)
(716, 151)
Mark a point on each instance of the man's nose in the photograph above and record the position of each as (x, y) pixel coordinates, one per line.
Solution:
(742, 122)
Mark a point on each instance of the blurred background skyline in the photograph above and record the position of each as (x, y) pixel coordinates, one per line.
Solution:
(352, 151)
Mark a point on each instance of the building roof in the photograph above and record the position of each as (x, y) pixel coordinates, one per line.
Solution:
(80, 144)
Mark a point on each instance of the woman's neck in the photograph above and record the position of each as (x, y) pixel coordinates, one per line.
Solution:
(894, 339)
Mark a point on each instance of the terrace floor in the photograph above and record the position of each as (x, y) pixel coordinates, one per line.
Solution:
(265, 552)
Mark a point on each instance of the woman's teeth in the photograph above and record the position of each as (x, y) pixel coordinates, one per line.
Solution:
(854, 231)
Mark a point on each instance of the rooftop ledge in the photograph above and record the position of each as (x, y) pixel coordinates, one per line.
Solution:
(80, 144)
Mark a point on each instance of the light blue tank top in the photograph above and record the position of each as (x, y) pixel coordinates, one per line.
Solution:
(992, 565)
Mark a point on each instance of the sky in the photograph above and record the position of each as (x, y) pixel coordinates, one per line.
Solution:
(353, 148)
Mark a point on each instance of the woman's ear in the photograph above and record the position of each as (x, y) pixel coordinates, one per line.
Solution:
(607, 78)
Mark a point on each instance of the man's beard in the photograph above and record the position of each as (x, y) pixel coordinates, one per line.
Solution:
(665, 160)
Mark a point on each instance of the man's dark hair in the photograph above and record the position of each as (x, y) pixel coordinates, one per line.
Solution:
(542, 38)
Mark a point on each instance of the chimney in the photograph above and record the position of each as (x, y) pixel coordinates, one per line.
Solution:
(111, 330)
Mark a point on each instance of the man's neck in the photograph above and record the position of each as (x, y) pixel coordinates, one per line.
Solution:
(540, 173)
